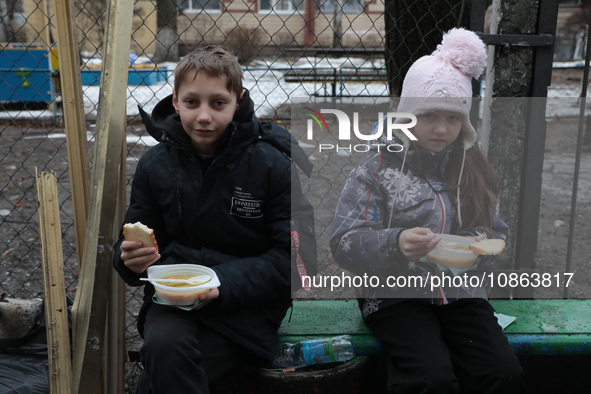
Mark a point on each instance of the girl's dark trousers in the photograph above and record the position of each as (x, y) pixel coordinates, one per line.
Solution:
(453, 348)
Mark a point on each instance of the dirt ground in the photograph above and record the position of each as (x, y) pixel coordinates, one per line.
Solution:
(29, 145)
(555, 211)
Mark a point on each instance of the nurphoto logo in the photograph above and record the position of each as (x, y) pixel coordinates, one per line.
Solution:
(392, 122)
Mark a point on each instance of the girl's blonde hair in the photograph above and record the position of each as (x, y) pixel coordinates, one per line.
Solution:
(215, 61)
(479, 186)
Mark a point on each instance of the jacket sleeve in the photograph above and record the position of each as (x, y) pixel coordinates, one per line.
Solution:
(142, 208)
(265, 278)
(360, 241)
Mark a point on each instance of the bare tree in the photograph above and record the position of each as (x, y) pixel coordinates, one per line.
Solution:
(4, 18)
(91, 19)
(167, 39)
(413, 29)
(338, 23)
(8, 23)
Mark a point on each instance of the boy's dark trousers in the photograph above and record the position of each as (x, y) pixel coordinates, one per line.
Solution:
(454, 348)
(180, 355)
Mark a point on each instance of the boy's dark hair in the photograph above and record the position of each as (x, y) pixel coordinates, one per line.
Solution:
(215, 61)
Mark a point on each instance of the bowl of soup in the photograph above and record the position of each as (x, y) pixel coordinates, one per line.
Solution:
(453, 252)
(181, 294)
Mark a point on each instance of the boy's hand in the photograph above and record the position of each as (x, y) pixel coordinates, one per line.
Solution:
(416, 242)
(138, 258)
(208, 297)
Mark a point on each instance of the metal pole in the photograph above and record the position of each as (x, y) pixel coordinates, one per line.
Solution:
(573, 204)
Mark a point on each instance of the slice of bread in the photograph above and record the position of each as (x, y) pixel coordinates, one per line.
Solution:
(488, 247)
(140, 232)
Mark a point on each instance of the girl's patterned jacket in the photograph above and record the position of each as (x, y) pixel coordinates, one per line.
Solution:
(381, 198)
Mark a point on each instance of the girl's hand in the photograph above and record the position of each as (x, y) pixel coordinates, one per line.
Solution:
(416, 242)
(138, 258)
(208, 297)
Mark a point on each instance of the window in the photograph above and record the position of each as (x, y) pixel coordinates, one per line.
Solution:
(284, 6)
(349, 6)
(199, 5)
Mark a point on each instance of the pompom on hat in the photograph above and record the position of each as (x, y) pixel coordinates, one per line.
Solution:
(443, 80)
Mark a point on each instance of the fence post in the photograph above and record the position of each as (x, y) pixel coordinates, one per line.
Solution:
(90, 308)
(511, 140)
(75, 126)
(507, 123)
(56, 309)
(116, 349)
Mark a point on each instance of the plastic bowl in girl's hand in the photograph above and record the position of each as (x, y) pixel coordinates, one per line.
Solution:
(181, 294)
(453, 252)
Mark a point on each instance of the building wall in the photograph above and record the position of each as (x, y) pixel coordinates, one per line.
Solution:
(265, 29)
(144, 27)
(570, 35)
(365, 29)
(40, 30)
(212, 28)
(282, 30)
(37, 28)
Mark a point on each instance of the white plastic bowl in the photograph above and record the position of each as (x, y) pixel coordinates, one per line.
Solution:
(453, 252)
(181, 296)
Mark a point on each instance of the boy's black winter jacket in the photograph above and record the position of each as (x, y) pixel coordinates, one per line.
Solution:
(234, 218)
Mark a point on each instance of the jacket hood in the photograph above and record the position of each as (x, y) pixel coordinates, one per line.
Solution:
(164, 123)
(165, 126)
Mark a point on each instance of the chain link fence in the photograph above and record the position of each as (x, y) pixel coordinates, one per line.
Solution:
(288, 48)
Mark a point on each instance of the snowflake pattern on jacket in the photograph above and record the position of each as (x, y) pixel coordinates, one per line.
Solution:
(380, 198)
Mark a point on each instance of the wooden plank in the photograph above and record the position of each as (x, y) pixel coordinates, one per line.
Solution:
(116, 351)
(75, 126)
(116, 354)
(546, 316)
(324, 318)
(90, 306)
(56, 309)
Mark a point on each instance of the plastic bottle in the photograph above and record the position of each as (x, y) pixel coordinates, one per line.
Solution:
(315, 351)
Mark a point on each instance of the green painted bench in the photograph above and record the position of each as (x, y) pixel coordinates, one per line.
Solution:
(542, 327)
(552, 339)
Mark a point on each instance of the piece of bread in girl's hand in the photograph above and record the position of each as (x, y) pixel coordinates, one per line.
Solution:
(488, 247)
(140, 232)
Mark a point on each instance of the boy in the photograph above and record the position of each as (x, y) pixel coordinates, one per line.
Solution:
(192, 189)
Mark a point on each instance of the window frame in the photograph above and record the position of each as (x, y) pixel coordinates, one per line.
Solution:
(273, 10)
(330, 3)
(191, 10)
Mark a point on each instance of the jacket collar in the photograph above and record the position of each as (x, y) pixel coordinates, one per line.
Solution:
(428, 159)
(417, 156)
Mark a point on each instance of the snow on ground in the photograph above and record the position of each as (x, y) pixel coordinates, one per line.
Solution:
(265, 81)
(269, 90)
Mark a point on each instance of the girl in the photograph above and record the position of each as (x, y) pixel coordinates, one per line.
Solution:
(388, 217)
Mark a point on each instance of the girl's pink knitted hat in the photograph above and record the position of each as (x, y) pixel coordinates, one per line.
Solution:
(443, 80)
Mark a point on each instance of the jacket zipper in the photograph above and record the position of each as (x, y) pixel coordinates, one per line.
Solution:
(179, 199)
(179, 205)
